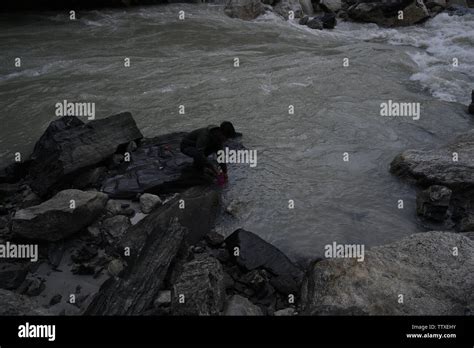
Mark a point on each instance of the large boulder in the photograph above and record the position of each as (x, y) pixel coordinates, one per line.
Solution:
(63, 215)
(69, 146)
(244, 9)
(386, 13)
(199, 289)
(285, 7)
(153, 245)
(451, 165)
(15, 304)
(423, 274)
(251, 252)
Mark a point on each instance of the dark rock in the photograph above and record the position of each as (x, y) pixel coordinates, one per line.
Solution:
(215, 239)
(315, 23)
(329, 20)
(154, 243)
(15, 304)
(68, 146)
(238, 305)
(201, 284)
(255, 253)
(84, 253)
(32, 286)
(89, 178)
(433, 203)
(54, 219)
(456, 10)
(12, 274)
(303, 20)
(467, 223)
(244, 9)
(385, 13)
(55, 299)
(116, 226)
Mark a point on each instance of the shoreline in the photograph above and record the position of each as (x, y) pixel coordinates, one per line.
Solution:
(107, 242)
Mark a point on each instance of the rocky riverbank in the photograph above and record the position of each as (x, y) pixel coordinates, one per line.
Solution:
(124, 226)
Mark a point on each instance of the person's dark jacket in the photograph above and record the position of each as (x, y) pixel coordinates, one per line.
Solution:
(201, 143)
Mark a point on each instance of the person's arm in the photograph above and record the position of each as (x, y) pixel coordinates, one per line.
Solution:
(202, 142)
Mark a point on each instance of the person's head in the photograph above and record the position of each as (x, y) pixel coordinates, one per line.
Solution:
(228, 130)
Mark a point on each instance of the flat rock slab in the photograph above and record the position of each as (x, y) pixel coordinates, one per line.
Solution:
(54, 219)
(421, 267)
(239, 305)
(256, 253)
(68, 146)
(451, 165)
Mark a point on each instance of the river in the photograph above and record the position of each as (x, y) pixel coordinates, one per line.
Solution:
(300, 156)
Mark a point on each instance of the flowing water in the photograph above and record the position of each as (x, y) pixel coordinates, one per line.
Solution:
(300, 155)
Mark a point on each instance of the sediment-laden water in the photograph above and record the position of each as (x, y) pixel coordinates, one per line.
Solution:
(300, 155)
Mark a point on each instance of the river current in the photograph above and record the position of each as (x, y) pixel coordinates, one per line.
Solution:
(301, 155)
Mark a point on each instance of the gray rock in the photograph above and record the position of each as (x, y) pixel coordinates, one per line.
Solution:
(332, 5)
(238, 306)
(255, 253)
(55, 299)
(32, 286)
(467, 223)
(69, 146)
(215, 239)
(433, 203)
(12, 274)
(54, 220)
(148, 202)
(15, 304)
(437, 167)
(283, 8)
(115, 268)
(244, 9)
(285, 312)
(385, 13)
(201, 282)
(421, 267)
(116, 226)
(163, 299)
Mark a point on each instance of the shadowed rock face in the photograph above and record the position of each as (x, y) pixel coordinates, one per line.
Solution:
(68, 146)
(421, 267)
(54, 219)
(255, 253)
(71, 4)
